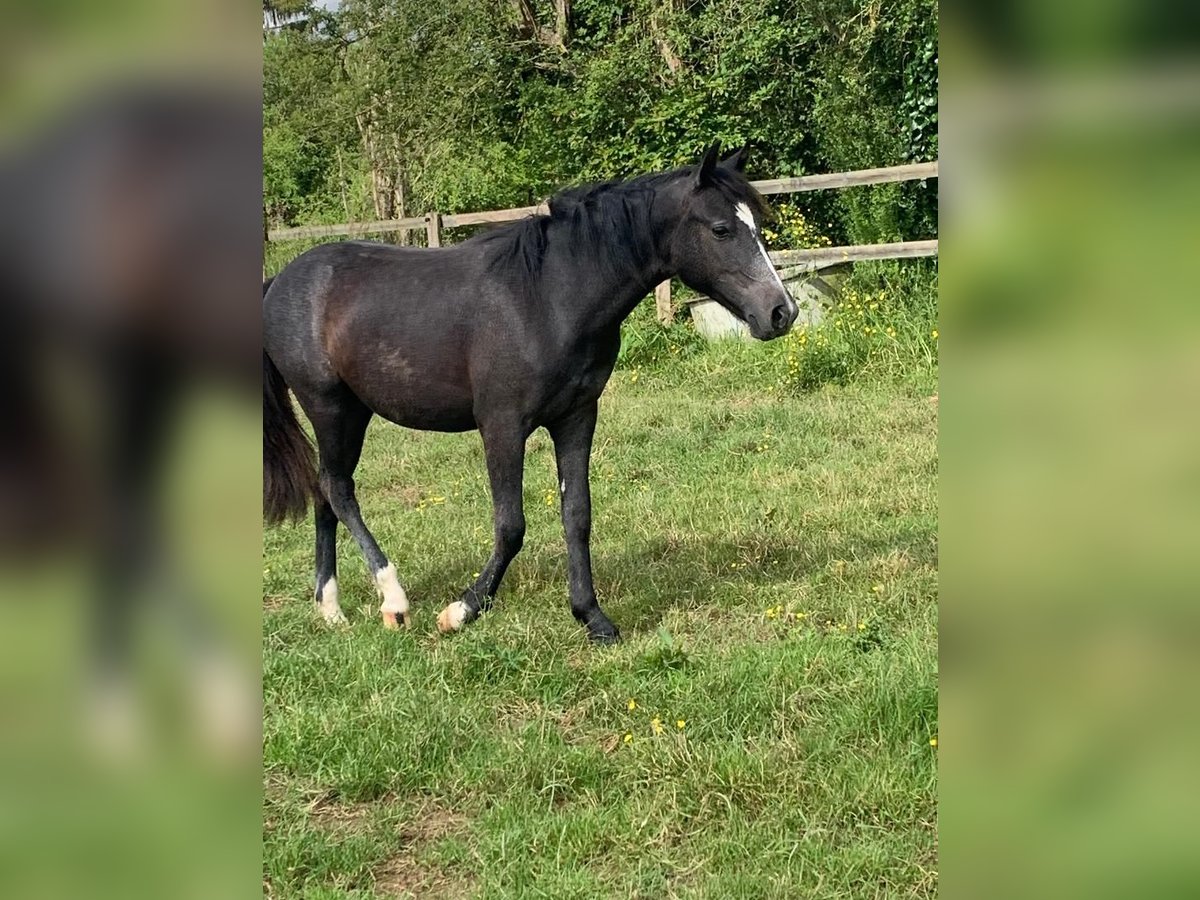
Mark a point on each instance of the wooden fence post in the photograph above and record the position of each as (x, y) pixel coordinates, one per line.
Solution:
(433, 229)
(662, 303)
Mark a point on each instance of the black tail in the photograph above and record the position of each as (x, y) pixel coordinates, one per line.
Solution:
(289, 469)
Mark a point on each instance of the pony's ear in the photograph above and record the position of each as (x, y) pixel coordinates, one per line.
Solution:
(736, 160)
(708, 165)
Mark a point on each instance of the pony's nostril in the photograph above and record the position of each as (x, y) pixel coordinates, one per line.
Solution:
(780, 316)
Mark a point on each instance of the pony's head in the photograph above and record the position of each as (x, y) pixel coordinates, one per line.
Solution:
(716, 249)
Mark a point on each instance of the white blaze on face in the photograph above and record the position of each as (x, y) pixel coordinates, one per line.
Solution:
(743, 213)
(328, 606)
(394, 598)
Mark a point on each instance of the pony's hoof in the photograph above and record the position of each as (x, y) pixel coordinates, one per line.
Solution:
(608, 633)
(453, 617)
(332, 616)
(392, 621)
(327, 604)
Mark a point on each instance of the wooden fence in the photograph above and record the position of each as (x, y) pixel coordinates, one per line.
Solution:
(795, 261)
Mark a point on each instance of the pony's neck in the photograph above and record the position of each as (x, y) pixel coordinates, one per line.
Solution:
(612, 281)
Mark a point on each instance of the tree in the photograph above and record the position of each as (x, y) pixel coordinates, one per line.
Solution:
(395, 107)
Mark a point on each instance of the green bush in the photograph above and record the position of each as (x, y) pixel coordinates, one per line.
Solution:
(884, 324)
(466, 108)
(791, 229)
(645, 343)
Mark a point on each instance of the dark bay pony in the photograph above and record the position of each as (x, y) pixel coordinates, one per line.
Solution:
(130, 248)
(513, 330)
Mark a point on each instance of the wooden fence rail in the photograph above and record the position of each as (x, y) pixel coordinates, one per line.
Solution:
(913, 172)
(889, 175)
(832, 256)
(413, 223)
(350, 229)
(810, 260)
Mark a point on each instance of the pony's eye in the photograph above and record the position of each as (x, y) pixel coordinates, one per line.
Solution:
(721, 230)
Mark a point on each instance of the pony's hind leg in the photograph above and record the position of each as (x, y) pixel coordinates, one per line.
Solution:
(327, 589)
(340, 422)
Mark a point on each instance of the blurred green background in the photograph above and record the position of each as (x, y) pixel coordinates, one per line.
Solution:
(149, 787)
(1070, 450)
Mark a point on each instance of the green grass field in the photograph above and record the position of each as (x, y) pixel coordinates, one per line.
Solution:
(766, 728)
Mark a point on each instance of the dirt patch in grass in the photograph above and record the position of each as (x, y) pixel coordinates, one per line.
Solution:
(276, 602)
(516, 715)
(414, 831)
(402, 876)
(322, 807)
(327, 812)
(572, 723)
(750, 400)
(893, 564)
(405, 875)
(409, 495)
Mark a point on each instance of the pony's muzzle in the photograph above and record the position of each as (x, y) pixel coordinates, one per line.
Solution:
(782, 317)
(774, 324)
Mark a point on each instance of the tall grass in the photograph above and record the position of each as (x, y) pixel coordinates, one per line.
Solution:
(884, 325)
(772, 561)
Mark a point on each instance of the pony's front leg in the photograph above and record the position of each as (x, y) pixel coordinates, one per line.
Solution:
(504, 446)
(573, 449)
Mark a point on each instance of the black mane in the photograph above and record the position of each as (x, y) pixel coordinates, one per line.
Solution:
(607, 220)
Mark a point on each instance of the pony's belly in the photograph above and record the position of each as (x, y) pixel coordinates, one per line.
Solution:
(423, 404)
(427, 414)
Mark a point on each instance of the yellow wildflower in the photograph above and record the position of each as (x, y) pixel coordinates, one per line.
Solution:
(628, 738)
(656, 724)
(631, 705)
(679, 723)
(934, 333)
(933, 742)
